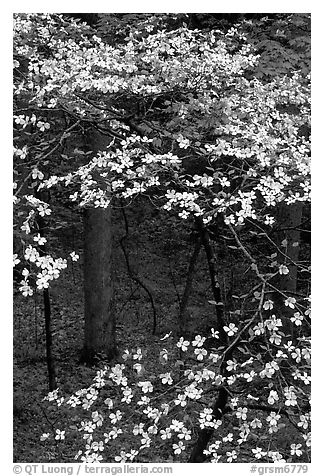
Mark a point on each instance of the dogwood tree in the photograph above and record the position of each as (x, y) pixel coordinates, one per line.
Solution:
(185, 118)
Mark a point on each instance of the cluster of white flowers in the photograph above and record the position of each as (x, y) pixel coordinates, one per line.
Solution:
(49, 269)
(159, 421)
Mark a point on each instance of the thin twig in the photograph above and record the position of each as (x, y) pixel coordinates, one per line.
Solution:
(132, 274)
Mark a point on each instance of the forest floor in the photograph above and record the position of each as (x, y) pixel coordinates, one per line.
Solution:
(159, 251)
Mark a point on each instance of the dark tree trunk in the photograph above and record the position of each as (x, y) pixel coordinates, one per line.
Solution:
(197, 454)
(99, 311)
(51, 368)
(289, 220)
(49, 342)
(99, 337)
(212, 267)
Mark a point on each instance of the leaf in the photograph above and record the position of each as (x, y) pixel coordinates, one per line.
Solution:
(166, 336)
(179, 363)
(216, 303)
(244, 351)
(163, 358)
(78, 151)
(157, 142)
